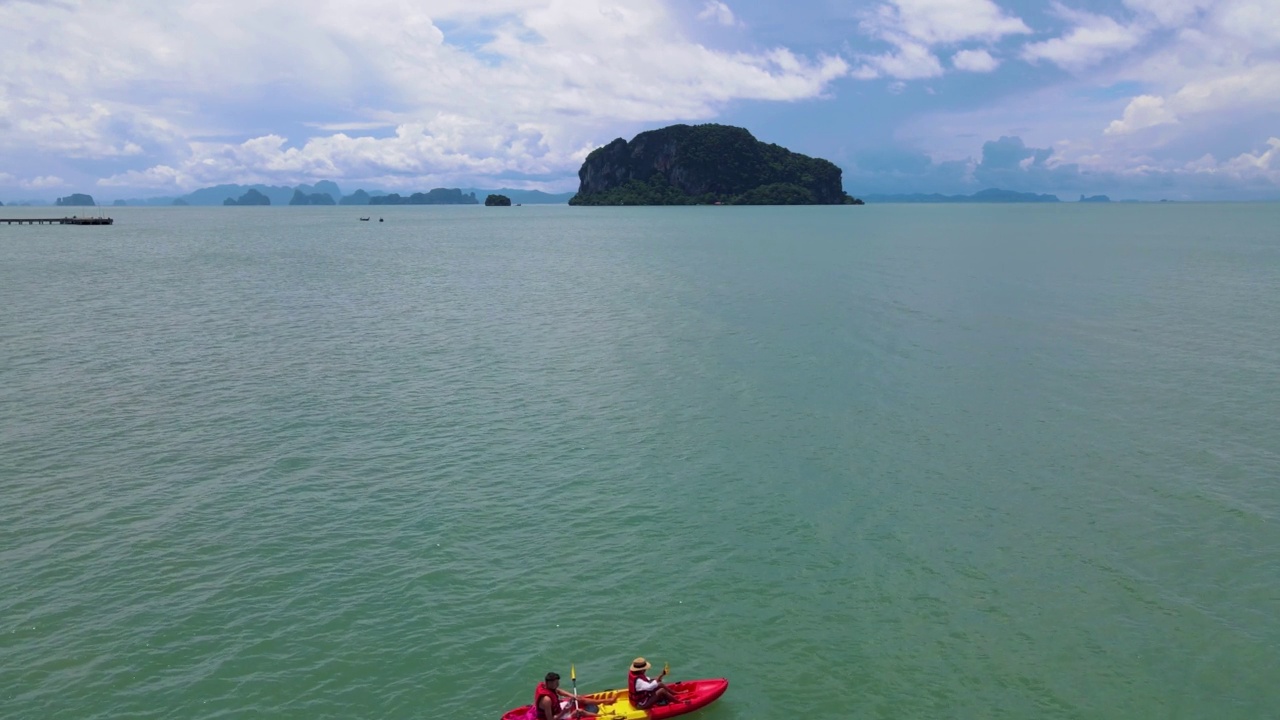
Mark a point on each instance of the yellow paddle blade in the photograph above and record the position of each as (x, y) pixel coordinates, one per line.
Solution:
(666, 667)
(573, 674)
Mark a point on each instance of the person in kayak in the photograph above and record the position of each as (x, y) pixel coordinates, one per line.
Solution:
(552, 703)
(644, 692)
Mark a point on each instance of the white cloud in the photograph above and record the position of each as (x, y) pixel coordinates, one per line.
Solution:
(155, 177)
(933, 22)
(912, 61)
(915, 27)
(1255, 24)
(1142, 112)
(1212, 88)
(58, 122)
(178, 95)
(716, 11)
(42, 182)
(449, 146)
(974, 61)
(1158, 90)
(1204, 102)
(1092, 39)
(1257, 88)
(1205, 163)
(1265, 163)
(151, 78)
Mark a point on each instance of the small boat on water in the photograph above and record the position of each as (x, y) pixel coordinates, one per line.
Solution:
(364, 219)
(613, 704)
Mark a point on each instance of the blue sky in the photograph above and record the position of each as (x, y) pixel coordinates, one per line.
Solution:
(1145, 99)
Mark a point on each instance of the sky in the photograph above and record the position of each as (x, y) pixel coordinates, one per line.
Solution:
(1142, 99)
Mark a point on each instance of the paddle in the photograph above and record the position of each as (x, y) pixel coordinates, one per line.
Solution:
(573, 675)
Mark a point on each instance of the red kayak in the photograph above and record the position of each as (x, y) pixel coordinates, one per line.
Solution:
(613, 704)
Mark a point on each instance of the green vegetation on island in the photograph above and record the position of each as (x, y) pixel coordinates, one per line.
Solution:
(76, 200)
(497, 201)
(704, 165)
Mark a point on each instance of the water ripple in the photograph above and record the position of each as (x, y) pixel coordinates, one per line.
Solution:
(892, 462)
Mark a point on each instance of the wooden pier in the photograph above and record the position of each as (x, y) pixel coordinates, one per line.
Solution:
(59, 221)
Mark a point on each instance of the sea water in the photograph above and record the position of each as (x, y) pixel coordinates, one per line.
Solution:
(986, 461)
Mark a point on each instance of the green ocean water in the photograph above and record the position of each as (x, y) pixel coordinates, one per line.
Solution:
(994, 461)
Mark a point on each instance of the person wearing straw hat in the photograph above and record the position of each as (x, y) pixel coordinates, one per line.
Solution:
(643, 691)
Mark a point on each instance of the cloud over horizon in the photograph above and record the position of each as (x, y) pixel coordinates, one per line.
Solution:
(149, 97)
(503, 89)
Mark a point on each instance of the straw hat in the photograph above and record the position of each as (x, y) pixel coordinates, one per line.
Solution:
(639, 665)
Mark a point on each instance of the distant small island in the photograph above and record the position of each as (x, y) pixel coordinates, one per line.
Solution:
(76, 200)
(705, 165)
(1095, 198)
(497, 201)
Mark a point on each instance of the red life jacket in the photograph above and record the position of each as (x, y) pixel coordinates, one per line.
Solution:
(540, 692)
(637, 697)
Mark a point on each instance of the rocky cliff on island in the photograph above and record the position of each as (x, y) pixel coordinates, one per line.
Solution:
(705, 164)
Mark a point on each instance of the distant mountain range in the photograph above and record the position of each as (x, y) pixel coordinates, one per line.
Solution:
(321, 192)
(524, 197)
(313, 195)
(990, 195)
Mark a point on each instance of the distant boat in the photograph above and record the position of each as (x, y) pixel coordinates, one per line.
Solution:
(364, 219)
(379, 219)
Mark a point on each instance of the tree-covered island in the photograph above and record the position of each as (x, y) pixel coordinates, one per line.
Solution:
(76, 200)
(704, 165)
